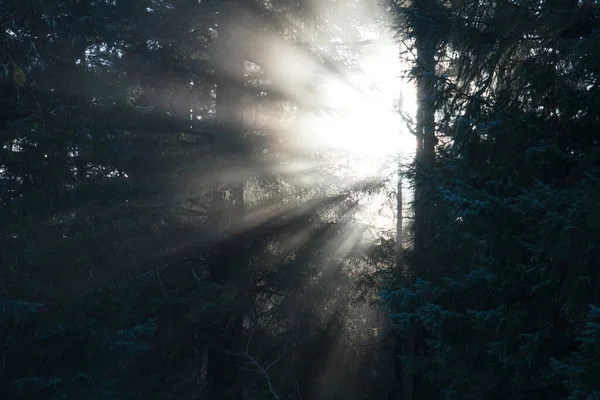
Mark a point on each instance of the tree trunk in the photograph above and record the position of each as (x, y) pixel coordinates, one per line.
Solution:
(425, 43)
(399, 222)
(403, 343)
(425, 156)
(227, 257)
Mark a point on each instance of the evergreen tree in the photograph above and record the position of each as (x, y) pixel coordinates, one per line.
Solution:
(504, 308)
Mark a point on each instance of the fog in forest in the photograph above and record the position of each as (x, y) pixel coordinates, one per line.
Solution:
(308, 199)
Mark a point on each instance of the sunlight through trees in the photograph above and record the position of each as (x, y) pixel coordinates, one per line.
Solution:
(275, 199)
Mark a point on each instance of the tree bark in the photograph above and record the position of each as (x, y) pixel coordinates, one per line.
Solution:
(425, 44)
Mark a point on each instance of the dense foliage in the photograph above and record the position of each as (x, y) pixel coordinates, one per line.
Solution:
(506, 297)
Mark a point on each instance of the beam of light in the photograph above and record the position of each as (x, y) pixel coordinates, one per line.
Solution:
(327, 103)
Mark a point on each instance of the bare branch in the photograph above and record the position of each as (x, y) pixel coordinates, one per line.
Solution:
(261, 368)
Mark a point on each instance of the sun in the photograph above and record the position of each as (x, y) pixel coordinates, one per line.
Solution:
(343, 120)
(365, 119)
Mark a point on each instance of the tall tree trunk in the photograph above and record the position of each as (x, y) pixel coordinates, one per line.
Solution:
(403, 343)
(227, 257)
(425, 43)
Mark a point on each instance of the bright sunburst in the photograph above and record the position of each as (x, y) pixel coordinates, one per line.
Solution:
(331, 86)
(342, 96)
(366, 120)
(366, 126)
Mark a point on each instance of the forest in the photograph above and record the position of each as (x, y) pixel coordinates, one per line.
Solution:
(300, 199)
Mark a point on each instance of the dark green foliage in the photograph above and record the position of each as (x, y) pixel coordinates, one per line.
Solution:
(503, 300)
(581, 368)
